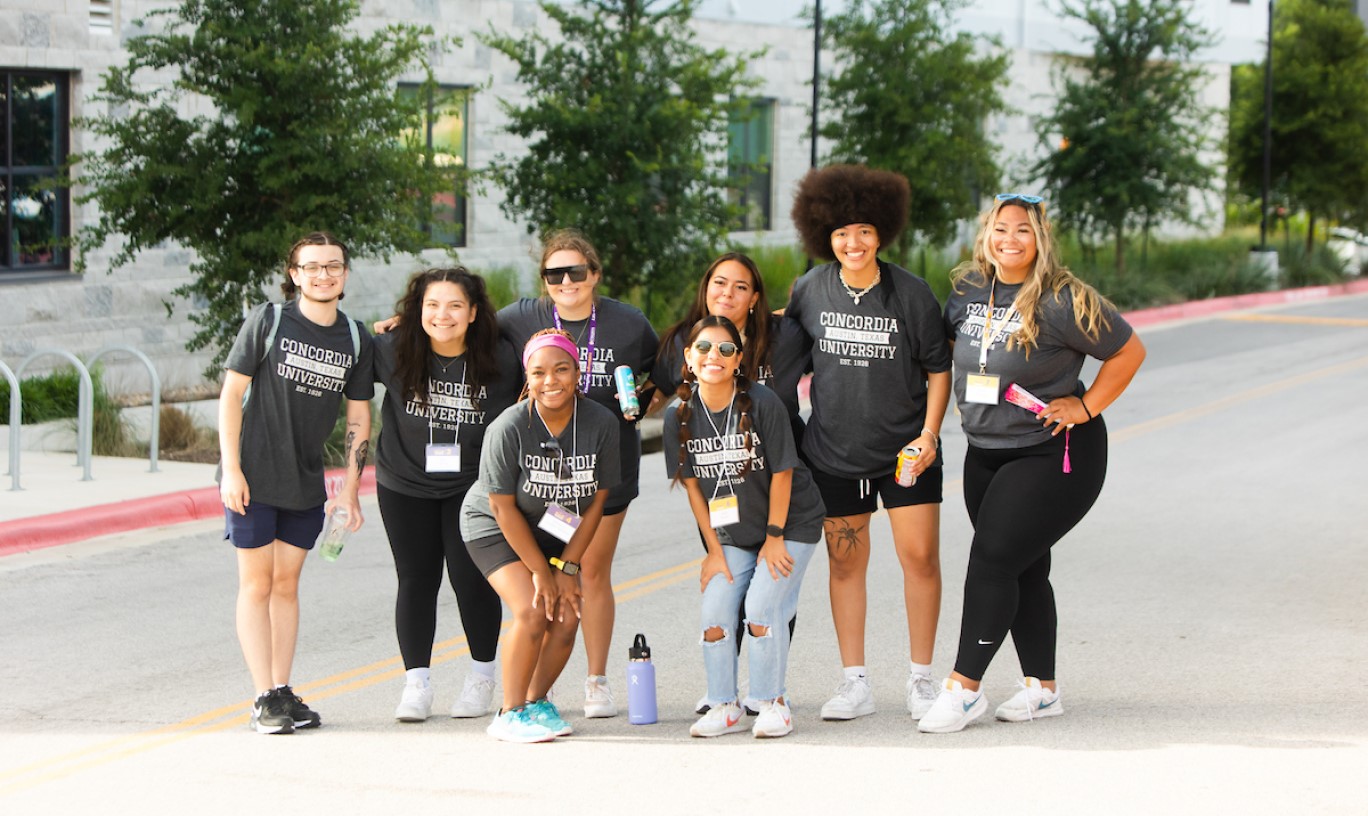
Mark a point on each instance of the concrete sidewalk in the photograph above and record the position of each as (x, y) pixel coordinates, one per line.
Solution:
(56, 507)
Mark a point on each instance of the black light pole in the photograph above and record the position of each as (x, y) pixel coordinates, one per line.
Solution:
(1268, 133)
(816, 84)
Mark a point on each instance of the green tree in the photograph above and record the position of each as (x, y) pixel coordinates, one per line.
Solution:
(908, 95)
(1320, 113)
(302, 130)
(1124, 142)
(626, 125)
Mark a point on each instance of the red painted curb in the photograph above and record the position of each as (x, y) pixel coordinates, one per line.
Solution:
(39, 532)
(1203, 308)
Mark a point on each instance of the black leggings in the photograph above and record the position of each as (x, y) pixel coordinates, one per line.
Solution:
(1020, 503)
(423, 533)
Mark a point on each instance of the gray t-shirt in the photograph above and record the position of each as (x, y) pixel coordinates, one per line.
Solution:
(624, 337)
(717, 451)
(869, 365)
(515, 462)
(455, 413)
(293, 403)
(1051, 372)
(790, 359)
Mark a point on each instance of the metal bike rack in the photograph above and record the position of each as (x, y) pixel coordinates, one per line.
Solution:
(16, 414)
(155, 439)
(85, 405)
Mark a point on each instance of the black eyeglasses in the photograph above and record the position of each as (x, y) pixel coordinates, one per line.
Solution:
(556, 274)
(1029, 199)
(726, 348)
(332, 270)
(563, 470)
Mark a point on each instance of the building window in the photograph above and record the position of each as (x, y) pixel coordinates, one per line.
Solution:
(34, 214)
(446, 112)
(101, 16)
(750, 162)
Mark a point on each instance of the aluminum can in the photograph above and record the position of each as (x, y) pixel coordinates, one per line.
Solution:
(906, 457)
(625, 383)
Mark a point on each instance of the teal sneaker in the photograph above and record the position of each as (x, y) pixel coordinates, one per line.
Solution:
(544, 713)
(516, 725)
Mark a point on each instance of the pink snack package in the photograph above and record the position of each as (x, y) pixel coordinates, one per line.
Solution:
(1017, 395)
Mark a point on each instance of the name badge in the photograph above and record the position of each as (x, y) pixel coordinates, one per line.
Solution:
(559, 522)
(443, 458)
(724, 512)
(982, 389)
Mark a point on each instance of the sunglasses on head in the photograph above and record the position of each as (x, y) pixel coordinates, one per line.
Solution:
(1029, 199)
(556, 274)
(726, 348)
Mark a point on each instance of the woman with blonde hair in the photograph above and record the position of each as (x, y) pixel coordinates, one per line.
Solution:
(1021, 325)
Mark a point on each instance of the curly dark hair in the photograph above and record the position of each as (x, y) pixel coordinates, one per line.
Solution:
(412, 348)
(831, 197)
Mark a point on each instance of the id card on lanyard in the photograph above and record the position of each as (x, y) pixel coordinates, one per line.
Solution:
(984, 388)
(440, 458)
(726, 510)
(559, 520)
(587, 376)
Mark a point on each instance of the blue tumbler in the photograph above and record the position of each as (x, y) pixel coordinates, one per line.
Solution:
(641, 684)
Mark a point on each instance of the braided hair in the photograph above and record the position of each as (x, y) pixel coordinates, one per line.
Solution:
(688, 387)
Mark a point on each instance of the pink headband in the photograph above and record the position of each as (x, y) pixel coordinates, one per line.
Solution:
(559, 341)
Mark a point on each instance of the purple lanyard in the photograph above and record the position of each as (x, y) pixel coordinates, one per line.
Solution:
(593, 334)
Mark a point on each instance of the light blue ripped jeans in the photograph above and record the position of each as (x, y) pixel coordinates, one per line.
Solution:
(769, 603)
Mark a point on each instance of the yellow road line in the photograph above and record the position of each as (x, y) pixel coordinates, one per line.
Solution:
(1309, 319)
(390, 668)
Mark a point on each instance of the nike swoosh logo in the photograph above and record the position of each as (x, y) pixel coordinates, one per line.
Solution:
(1043, 704)
(970, 705)
(731, 722)
(985, 642)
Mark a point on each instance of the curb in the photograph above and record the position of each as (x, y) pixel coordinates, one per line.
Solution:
(53, 529)
(39, 532)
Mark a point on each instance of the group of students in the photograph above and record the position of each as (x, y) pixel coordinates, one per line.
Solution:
(506, 457)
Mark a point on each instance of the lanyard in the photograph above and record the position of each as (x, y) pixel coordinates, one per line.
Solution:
(574, 443)
(593, 335)
(988, 337)
(721, 445)
(457, 440)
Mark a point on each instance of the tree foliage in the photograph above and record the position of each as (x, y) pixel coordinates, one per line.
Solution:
(625, 124)
(241, 125)
(909, 96)
(1125, 140)
(1320, 113)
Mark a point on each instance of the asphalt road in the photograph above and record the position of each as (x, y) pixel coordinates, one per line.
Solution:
(1213, 651)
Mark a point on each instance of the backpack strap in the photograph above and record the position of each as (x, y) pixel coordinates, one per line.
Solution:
(265, 348)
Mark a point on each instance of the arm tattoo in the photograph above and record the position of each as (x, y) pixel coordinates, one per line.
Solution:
(841, 536)
(362, 451)
(347, 444)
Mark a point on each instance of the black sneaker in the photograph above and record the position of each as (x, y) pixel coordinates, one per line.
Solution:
(271, 714)
(301, 715)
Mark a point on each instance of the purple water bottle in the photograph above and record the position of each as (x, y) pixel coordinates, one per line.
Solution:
(641, 685)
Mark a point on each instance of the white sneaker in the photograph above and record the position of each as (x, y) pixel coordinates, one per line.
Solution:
(720, 719)
(854, 698)
(598, 698)
(477, 697)
(416, 704)
(704, 704)
(955, 707)
(921, 695)
(517, 726)
(1031, 703)
(774, 720)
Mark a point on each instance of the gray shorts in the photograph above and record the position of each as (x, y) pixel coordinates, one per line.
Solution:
(492, 552)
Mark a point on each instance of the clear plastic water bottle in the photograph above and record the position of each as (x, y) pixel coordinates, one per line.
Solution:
(335, 534)
(641, 684)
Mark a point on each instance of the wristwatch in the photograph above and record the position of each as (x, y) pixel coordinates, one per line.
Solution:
(567, 567)
(774, 530)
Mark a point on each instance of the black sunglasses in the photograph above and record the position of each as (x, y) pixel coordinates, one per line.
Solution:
(556, 274)
(563, 470)
(726, 348)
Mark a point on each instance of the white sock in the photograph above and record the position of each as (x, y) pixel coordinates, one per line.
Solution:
(480, 667)
(420, 676)
(601, 678)
(920, 668)
(261, 694)
(854, 673)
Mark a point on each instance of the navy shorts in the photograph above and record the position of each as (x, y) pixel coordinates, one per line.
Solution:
(853, 497)
(264, 523)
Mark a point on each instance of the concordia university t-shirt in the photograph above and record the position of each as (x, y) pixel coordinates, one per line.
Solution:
(869, 365)
(294, 399)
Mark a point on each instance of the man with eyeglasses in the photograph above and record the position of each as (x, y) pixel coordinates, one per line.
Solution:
(286, 374)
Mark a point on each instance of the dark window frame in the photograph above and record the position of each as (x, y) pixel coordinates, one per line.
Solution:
(460, 223)
(11, 265)
(751, 185)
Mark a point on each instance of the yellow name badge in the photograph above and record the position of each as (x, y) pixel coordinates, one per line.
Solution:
(982, 389)
(724, 512)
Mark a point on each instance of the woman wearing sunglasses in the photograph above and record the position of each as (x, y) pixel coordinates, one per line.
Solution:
(530, 520)
(447, 374)
(1021, 325)
(729, 441)
(609, 334)
(880, 386)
